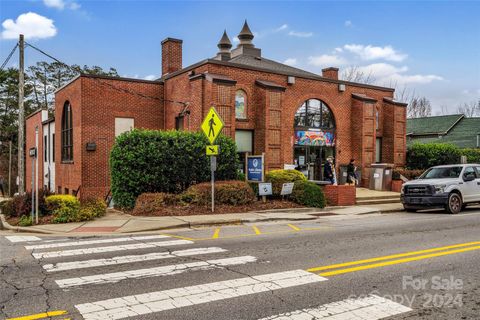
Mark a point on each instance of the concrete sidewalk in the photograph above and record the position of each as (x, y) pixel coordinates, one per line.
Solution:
(118, 222)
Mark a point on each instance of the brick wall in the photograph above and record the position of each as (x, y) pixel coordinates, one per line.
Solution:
(343, 195)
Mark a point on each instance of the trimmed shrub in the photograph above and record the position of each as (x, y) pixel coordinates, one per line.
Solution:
(149, 161)
(226, 192)
(308, 193)
(91, 209)
(148, 203)
(64, 207)
(473, 155)
(22, 205)
(423, 156)
(279, 177)
(25, 221)
(8, 208)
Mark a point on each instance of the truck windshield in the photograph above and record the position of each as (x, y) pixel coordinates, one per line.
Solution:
(442, 173)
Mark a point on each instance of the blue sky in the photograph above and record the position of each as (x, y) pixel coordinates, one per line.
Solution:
(431, 48)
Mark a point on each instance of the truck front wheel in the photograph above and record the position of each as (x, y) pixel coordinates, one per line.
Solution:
(454, 204)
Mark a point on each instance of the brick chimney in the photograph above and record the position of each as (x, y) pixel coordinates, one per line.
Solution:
(171, 55)
(330, 73)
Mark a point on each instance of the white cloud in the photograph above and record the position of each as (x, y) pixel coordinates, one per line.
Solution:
(348, 24)
(338, 50)
(236, 40)
(300, 34)
(282, 27)
(374, 53)
(150, 77)
(387, 74)
(61, 4)
(30, 24)
(326, 60)
(290, 61)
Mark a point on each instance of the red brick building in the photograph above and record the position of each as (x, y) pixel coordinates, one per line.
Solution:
(293, 116)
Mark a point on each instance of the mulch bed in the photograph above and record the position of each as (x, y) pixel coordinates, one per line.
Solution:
(189, 210)
(41, 220)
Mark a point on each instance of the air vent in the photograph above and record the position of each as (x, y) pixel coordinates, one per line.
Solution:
(290, 79)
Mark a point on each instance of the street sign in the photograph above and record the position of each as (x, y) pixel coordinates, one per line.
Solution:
(212, 125)
(265, 189)
(255, 168)
(32, 152)
(212, 150)
(287, 188)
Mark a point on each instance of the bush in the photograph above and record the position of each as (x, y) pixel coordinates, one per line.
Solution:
(148, 203)
(409, 174)
(64, 208)
(279, 177)
(308, 193)
(148, 161)
(226, 192)
(473, 155)
(8, 208)
(22, 205)
(25, 221)
(91, 209)
(424, 156)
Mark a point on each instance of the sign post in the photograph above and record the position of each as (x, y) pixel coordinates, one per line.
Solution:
(33, 154)
(211, 126)
(256, 173)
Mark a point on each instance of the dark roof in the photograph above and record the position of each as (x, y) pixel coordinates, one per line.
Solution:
(432, 125)
(463, 134)
(363, 97)
(263, 63)
(270, 84)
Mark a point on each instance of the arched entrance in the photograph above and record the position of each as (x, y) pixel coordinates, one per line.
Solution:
(314, 139)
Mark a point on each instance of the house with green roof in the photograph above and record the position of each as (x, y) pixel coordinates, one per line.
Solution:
(455, 129)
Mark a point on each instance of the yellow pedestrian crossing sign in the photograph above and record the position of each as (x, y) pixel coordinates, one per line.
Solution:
(212, 150)
(212, 125)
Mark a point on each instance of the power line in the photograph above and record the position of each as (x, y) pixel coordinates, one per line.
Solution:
(185, 104)
(9, 56)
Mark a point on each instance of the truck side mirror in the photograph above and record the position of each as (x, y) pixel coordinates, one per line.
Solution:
(469, 177)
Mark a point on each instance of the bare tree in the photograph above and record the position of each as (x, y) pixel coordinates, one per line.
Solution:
(419, 107)
(470, 109)
(355, 74)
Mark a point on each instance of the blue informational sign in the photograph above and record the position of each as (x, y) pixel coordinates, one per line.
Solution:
(255, 168)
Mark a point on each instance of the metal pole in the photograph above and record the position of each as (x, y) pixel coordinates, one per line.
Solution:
(33, 191)
(213, 182)
(10, 170)
(36, 175)
(21, 119)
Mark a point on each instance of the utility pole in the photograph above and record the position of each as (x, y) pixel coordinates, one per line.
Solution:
(10, 169)
(21, 119)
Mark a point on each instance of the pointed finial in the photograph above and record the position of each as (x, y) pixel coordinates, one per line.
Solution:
(224, 42)
(246, 34)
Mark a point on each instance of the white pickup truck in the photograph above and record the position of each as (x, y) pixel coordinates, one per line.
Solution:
(451, 187)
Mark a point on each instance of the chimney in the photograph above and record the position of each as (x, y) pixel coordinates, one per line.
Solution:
(171, 55)
(330, 73)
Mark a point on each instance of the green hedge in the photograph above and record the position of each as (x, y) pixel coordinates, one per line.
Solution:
(421, 156)
(308, 194)
(279, 177)
(149, 161)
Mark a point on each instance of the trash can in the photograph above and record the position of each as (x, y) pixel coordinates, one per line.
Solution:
(381, 176)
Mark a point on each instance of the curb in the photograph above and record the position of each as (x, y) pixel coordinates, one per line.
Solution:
(8, 226)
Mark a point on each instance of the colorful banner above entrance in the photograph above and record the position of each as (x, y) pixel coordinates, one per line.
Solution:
(314, 138)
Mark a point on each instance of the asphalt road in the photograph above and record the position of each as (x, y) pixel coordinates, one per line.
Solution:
(407, 266)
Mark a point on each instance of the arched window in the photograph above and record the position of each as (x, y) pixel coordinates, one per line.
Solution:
(314, 113)
(67, 133)
(240, 104)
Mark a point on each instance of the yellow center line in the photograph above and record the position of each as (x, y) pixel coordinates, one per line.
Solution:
(399, 261)
(294, 227)
(400, 255)
(41, 315)
(216, 233)
(257, 231)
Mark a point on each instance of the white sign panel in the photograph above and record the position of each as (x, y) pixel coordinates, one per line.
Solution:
(287, 189)
(376, 175)
(265, 189)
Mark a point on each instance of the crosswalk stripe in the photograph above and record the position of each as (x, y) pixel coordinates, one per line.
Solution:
(135, 305)
(75, 252)
(371, 307)
(22, 238)
(95, 241)
(154, 272)
(62, 266)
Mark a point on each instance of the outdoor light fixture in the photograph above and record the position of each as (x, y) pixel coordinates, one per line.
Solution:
(341, 87)
(291, 80)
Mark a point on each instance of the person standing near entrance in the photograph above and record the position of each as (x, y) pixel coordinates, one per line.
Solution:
(352, 173)
(328, 171)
